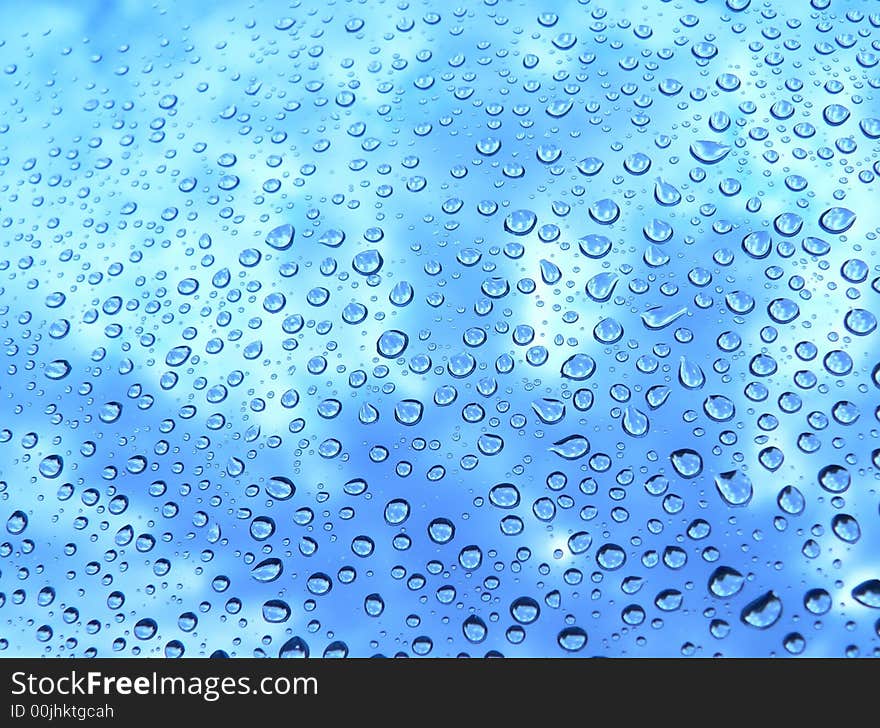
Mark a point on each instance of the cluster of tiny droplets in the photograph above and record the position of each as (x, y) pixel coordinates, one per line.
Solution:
(386, 328)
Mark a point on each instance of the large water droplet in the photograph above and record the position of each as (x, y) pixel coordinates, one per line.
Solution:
(734, 487)
(837, 220)
(281, 237)
(763, 612)
(709, 152)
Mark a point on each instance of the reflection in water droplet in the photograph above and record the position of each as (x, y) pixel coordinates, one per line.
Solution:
(578, 367)
(294, 647)
(763, 612)
(604, 211)
(281, 237)
(267, 570)
(734, 487)
(442, 333)
(572, 447)
(595, 246)
(572, 639)
(719, 408)
(868, 593)
(726, 582)
(709, 152)
(659, 317)
(687, 463)
(16, 523)
(690, 375)
(276, 611)
(837, 220)
(610, 556)
(635, 422)
(601, 286)
(57, 369)
(392, 344)
(520, 222)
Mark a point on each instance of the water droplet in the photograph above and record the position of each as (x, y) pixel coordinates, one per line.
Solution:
(281, 237)
(267, 570)
(392, 344)
(836, 220)
(709, 152)
(610, 556)
(734, 487)
(659, 317)
(604, 211)
(595, 246)
(572, 447)
(687, 462)
(17, 523)
(726, 582)
(635, 423)
(294, 647)
(276, 611)
(578, 367)
(145, 628)
(525, 610)
(601, 286)
(441, 312)
(719, 408)
(763, 612)
(868, 593)
(57, 369)
(520, 222)
(572, 639)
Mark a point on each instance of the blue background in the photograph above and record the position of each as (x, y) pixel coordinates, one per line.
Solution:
(147, 153)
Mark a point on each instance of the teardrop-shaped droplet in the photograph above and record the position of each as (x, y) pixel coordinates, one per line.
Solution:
(868, 593)
(690, 374)
(571, 447)
(666, 194)
(550, 411)
(281, 237)
(687, 463)
(659, 317)
(709, 152)
(734, 487)
(595, 246)
(408, 412)
(719, 408)
(635, 423)
(763, 612)
(601, 286)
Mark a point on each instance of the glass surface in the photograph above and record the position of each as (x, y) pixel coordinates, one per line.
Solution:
(358, 328)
